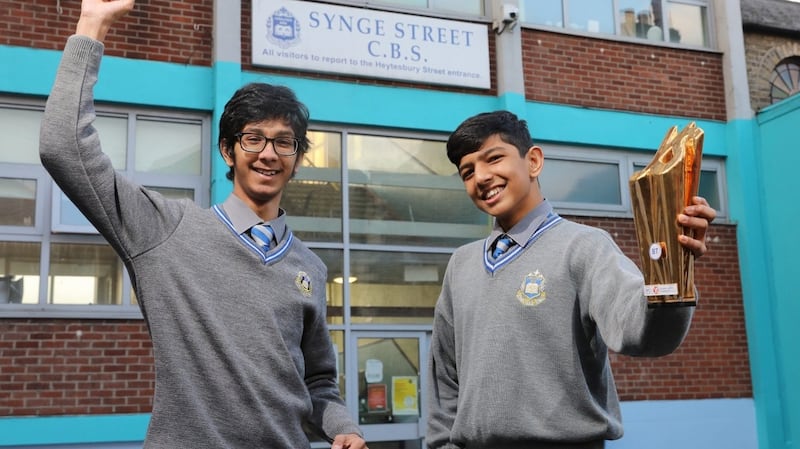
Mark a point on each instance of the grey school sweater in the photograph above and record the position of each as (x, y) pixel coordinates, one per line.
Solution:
(519, 357)
(242, 351)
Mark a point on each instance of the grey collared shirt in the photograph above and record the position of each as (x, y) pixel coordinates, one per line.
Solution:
(522, 231)
(243, 218)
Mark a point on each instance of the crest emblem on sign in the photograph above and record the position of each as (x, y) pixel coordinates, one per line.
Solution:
(532, 291)
(283, 29)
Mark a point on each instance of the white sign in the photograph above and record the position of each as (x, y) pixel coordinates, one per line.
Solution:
(354, 41)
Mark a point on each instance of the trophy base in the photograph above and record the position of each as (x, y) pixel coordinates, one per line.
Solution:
(657, 302)
(676, 303)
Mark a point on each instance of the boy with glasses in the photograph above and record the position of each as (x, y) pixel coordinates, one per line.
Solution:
(234, 303)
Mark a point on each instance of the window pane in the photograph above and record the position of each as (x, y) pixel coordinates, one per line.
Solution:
(313, 198)
(405, 191)
(641, 18)
(19, 272)
(69, 215)
(784, 80)
(472, 7)
(708, 188)
(113, 133)
(395, 288)
(419, 4)
(17, 202)
(333, 259)
(687, 24)
(84, 274)
(168, 147)
(581, 182)
(542, 12)
(595, 16)
(388, 379)
(20, 131)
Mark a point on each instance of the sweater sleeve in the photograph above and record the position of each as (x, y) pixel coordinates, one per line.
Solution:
(443, 374)
(70, 150)
(329, 414)
(613, 287)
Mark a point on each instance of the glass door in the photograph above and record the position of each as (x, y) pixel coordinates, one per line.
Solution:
(389, 388)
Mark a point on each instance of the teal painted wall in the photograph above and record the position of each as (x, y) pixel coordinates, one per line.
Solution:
(778, 155)
(700, 424)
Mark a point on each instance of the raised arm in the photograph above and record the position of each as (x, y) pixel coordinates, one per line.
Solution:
(70, 147)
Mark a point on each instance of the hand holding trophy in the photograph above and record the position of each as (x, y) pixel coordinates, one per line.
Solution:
(659, 192)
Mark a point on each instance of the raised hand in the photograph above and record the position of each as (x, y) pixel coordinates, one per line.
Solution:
(97, 16)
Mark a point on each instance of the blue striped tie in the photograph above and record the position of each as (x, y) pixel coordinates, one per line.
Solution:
(263, 235)
(501, 245)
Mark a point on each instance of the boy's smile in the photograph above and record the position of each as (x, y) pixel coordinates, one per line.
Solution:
(501, 182)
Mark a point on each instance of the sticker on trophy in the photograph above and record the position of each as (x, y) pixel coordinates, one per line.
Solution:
(657, 250)
(661, 289)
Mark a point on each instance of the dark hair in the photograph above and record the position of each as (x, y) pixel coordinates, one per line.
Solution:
(473, 132)
(256, 102)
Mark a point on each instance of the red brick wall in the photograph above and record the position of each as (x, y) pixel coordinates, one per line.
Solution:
(75, 367)
(624, 76)
(157, 30)
(47, 368)
(713, 361)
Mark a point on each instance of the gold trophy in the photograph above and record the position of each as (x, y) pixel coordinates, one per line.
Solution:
(659, 192)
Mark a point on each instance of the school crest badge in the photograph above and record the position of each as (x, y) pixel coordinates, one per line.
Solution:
(532, 291)
(303, 283)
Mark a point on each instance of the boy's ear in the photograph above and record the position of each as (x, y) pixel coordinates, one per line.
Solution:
(535, 159)
(226, 152)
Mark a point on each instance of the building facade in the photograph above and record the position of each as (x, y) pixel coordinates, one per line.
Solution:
(599, 83)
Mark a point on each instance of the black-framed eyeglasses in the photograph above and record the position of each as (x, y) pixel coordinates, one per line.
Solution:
(255, 143)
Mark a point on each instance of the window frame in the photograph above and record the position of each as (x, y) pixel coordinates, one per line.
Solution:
(710, 26)
(47, 231)
(597, 155)
(708, 164)
(626, 160)
(42, 179)
(429, 11)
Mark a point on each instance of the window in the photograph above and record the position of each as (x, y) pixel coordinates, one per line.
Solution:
(395, 287)
(595, 182)
(384, 213)
(712, 184)
(461, 7)
(51, 258)
(784, 80)
(687, 23)
(594, 16)
(676, 21)
(404, 190)
(400, 190)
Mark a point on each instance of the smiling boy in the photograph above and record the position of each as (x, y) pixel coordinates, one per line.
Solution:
(234, 303)
(525, 319)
